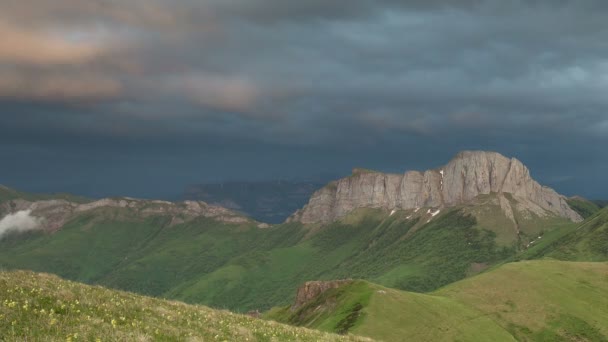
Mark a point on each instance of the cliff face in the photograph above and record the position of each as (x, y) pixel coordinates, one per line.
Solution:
(469, 174)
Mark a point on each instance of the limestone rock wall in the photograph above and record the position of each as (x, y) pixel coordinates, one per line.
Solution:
(466, 176)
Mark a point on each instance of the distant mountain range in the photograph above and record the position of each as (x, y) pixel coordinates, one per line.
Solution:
(264, 201)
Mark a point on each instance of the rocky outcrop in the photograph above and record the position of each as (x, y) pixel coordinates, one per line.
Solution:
(466, 176)
(54, 213)
(312, 289)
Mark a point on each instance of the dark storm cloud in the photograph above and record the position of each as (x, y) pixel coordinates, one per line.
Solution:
(327, 78)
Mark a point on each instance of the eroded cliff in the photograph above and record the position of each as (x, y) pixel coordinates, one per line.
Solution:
(468, 175)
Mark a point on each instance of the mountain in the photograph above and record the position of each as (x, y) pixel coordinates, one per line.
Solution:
(7, 193)
(202, 253)
(465, 177)
(243, 267)
(41, 307)
(526, 301)
(265, 201)
(54, 211)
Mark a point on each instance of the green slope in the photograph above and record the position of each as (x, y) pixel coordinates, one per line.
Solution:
(601, 203)
(41, 307)
(587, 241)
(527, 301)
(584, 207)
(541, 300)
(387, 314)
(242, 267)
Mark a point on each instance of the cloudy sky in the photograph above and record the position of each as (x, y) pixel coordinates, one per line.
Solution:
(141, 97)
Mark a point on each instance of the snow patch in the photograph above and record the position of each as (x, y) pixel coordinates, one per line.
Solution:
(435, 213)
(441, 172)
(416, 210)
(392, 212)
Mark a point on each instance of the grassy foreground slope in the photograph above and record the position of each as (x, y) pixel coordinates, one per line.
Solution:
(387, 314)
(528, 301)
(44, 307)
(541, 300)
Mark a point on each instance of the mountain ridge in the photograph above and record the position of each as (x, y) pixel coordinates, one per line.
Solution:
(468, 175)
(53, 214)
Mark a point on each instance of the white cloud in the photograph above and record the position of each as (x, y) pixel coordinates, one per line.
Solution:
(20, 221)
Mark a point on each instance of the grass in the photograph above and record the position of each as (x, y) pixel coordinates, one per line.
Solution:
(542, 300)
(43, 307)
(391, 315)
(587, 241)
(336, 310)
(241, 267)
(601, 203)
(583, 207)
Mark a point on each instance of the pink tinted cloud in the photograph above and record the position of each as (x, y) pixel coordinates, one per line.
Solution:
(228, 93)
(26, 47)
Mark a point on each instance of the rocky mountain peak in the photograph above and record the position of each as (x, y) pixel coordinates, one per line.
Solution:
(468, 175)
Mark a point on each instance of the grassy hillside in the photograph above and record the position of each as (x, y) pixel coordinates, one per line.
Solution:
(392, 315)
(526, 301)
(601, 203)
(44, 307)
(541, 300)
(147, 256)
(242, 267)
(585, 242)
(584, 207)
